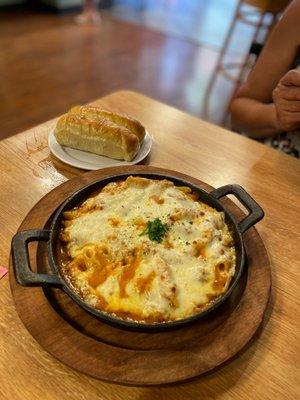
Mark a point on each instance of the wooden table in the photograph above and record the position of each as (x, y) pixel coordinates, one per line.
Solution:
(267, 369)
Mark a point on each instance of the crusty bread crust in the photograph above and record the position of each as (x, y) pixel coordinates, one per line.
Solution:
(120, 119)
(96, 135)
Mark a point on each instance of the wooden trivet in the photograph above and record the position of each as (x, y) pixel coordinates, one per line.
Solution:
(79, 340)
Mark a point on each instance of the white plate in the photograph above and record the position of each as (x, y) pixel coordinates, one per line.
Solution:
(86, 160)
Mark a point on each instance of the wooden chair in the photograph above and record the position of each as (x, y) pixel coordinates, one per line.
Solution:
(260, 14)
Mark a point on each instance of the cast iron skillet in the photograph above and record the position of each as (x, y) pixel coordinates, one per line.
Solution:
(26, 277)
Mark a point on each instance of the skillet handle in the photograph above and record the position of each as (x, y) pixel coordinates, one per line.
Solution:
(256, 213)
(21, 264)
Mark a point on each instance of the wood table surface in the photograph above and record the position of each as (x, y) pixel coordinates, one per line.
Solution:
(269, 367)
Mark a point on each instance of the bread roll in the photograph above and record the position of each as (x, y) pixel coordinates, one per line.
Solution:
(96, 135)
(131, 124)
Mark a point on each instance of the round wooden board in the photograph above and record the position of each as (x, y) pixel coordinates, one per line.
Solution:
(134, 358)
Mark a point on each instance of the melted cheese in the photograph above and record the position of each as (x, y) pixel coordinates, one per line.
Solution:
(116, 267)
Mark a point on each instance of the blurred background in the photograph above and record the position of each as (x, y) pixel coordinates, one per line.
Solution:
(191, 54)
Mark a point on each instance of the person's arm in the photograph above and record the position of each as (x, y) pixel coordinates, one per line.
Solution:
(253, 117)
(254, 109)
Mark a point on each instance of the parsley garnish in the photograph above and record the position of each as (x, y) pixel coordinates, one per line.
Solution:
(155, 230)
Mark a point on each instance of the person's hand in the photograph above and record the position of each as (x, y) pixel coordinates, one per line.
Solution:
(286, 98)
